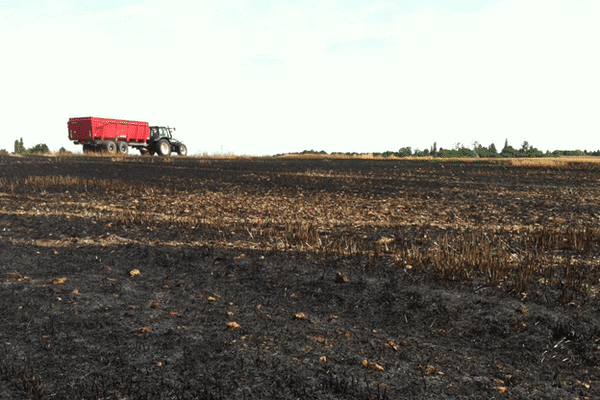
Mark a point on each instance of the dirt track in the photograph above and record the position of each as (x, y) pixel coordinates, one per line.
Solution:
(347, 279)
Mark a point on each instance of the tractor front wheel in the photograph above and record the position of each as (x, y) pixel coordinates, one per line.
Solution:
(182, 150)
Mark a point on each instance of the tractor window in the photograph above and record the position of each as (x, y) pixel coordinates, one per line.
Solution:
(160, 132)
(164, 132)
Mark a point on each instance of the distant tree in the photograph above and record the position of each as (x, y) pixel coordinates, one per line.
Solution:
(434, 148)
(509, 152)
(405, 152)
(313, 152)
(479, 150)
(465, 152)
(527, 150)
(19, 148)
(419, 153)
(483, 152)
(39, 149)
(572, 153)
(492, 148)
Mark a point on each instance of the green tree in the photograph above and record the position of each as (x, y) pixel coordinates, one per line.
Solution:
(483, 152)
(506, 146)
(405, 152)
(39, 149)
(19, 148)
(525, 147)
(527, 150)
(509, 152)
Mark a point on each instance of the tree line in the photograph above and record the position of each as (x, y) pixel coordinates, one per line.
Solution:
(19, 148)
(476, 151)
(479, 151)
(38, 148)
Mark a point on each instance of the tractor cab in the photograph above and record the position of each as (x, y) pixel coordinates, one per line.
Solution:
(162, 142)
(160, 132)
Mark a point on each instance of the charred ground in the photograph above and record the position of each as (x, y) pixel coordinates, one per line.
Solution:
(271, 278)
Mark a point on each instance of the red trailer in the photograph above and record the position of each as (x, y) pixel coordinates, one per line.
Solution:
(117, 135)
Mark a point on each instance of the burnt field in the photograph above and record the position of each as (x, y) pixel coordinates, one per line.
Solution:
(148, 278)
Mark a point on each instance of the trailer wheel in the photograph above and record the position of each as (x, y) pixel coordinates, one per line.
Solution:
(111, 147)
(182, 150)
(164, 148)
(123, 148)
(88, 148)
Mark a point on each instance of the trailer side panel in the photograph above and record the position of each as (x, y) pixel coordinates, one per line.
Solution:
(88, 129)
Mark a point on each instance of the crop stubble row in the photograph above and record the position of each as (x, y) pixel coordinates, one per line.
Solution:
(498, 225)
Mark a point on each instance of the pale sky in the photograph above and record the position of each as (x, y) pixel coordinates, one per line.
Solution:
(261, 77)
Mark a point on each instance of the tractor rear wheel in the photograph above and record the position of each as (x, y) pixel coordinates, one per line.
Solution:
(111, 147)
(163, 148)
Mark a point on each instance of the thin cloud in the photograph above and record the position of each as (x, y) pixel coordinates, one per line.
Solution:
(367, 44)
(266, 61)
